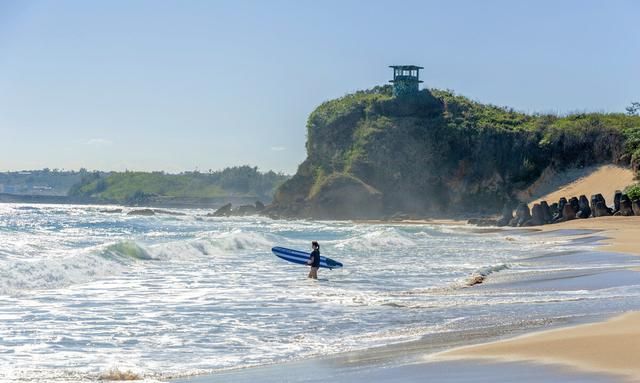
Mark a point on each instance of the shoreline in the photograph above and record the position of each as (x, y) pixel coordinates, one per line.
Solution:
(611, 346)
(414, 360)
(622, 232)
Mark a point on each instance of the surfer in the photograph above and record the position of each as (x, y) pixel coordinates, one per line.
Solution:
(314, 260)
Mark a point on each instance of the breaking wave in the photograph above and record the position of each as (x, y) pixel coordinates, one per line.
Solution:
(378, 239)
(57, 272)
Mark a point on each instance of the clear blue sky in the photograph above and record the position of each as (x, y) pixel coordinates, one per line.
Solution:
(180, 85)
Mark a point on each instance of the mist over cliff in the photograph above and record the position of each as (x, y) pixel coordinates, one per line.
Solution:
(373, 155)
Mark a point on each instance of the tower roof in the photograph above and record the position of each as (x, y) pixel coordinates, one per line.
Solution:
(406, 67)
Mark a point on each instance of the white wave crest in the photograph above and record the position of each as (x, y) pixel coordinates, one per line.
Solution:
(213, 244)
(377, 239)
(20, 276)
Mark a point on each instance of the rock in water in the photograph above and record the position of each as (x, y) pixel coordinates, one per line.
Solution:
(142, 212)
(259, 206)
(110, 211)
(244, 210)
(224, 211)
(585, 210)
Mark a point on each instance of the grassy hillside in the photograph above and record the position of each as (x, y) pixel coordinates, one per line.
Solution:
(138, 187)
(440, 153)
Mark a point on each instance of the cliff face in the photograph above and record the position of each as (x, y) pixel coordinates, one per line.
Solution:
(370, 155)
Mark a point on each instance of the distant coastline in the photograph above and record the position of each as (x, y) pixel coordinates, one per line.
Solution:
(160, 202)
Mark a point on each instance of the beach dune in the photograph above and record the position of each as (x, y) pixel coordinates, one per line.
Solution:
(603, 179)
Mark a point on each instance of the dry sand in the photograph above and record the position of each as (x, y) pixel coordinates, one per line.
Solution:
(605, 179)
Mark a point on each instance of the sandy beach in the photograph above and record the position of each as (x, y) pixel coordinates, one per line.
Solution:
(612, 346)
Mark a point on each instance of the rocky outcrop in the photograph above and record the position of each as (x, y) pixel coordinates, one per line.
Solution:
(245, 210)
(345, 197)
(146, 212)
(436, 154)
(168, 212)
(223, 211)
(110, 211)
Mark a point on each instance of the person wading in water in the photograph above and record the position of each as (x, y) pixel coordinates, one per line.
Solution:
(314, 260)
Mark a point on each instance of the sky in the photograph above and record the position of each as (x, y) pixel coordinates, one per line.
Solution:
(199, 85)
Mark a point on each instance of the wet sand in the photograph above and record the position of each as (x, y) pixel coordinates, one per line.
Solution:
(317, 371)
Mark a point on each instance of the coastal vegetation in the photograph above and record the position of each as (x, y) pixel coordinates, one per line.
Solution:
(633, 191)
(370, 154)
(47, 182)
(136, 188)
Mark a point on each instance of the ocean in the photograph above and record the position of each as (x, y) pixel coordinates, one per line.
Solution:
(85, 292)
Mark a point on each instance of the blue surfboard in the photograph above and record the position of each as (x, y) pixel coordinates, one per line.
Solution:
(301, 258)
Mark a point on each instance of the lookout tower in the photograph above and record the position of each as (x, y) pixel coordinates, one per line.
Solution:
(406, 79)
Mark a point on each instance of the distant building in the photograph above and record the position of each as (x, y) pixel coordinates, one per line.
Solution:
(406, 79)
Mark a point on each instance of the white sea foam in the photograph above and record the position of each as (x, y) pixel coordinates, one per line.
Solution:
(384, 238)
(20, 276)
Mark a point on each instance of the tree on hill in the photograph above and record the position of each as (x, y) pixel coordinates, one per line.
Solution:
(633, 109)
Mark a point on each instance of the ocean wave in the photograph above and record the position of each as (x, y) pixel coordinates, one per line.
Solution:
(50, 273)
(210, 244)
(377, 239)
(125, 250)
(242, 240)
